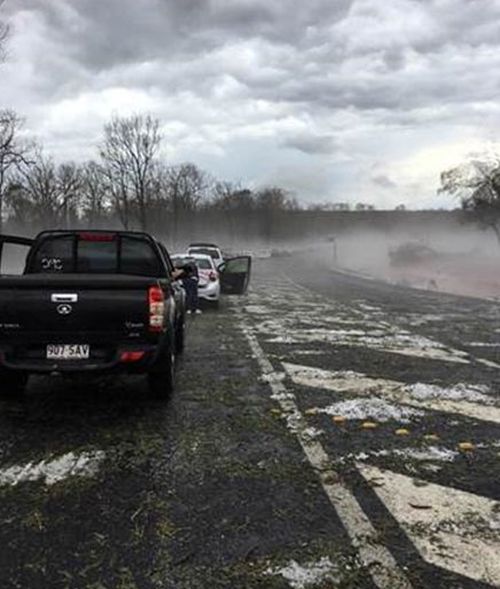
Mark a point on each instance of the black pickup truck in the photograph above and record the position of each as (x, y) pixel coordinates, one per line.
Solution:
(89, 302)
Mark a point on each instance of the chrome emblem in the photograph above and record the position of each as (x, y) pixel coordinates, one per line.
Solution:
(64, 309)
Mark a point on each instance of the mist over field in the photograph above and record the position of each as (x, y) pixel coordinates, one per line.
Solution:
(460, 259)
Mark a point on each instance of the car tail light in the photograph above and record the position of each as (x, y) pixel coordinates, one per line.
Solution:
(212, 276)
(156, 308)
(132, 356)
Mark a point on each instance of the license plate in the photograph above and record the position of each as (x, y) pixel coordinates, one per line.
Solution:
(68, 352)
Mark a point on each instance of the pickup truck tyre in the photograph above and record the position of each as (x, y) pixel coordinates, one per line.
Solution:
(12, 384)
(180, 333)
(161, 380)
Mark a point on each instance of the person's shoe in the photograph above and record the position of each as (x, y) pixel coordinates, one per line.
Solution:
(188, 312)
(198, 311)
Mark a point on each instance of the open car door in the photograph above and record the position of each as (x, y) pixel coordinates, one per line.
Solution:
(235, 275)
(13, 253)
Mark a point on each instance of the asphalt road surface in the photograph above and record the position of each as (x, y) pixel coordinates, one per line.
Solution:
(326, 432)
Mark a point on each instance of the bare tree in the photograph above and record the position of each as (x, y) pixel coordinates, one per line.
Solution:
(94, 201)
(476, 183)
(49, 193)
(363, 206)
(271, 203)
(69, 182)
(187, 186)
(275, 199)
(160, 203)
(12, 152)
(37, 192)
(128, 152)
(4, 34)
(232, 197)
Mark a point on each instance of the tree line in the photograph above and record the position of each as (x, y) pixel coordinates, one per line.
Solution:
(129, 184)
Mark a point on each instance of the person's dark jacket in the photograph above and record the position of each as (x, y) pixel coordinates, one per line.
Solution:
(190, 271)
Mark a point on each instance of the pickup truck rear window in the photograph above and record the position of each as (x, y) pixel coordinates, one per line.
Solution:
(73, 254)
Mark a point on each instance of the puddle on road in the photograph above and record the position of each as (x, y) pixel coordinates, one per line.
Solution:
(53, 471)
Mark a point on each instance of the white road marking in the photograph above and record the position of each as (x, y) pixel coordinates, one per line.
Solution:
(488, 363)
(256, 309)
(311, 574)
(53, 471)
(325, 311)
(467, 400)
(383, 340)
(376, 557)
(451, 529)
(463, 533)
(434, 454)
(377, 409)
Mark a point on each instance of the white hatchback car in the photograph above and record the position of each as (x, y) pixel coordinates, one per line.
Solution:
(209, 287)
(207, 249)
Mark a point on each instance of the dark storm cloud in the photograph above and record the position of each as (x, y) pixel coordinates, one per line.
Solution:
(112, 32)
(383, 181)
(311, 144)
(343, 54)
(330, 79)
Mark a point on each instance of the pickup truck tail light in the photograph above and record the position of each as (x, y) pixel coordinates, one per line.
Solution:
(132, 356)
(156, 309)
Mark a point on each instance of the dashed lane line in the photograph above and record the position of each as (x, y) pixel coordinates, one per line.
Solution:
(383, 568)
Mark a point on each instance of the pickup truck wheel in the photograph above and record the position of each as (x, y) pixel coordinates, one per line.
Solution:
(180, 337)
(12, 384)
(161, 381)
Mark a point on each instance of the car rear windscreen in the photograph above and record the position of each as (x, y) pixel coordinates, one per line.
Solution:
(205, 251)
(203, 264)
(96, 254)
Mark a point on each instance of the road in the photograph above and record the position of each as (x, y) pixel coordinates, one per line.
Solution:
(327, 431)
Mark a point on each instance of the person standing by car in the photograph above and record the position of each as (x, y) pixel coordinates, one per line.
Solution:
(190, 279)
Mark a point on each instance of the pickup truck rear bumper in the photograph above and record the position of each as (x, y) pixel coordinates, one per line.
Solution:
(136, 359)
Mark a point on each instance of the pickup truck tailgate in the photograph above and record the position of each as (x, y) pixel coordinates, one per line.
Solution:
(103, 312)
(68, 304)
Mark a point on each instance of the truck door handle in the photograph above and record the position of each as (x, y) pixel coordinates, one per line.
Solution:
(64, 298)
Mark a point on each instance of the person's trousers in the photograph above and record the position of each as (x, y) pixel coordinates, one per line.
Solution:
(191, 288)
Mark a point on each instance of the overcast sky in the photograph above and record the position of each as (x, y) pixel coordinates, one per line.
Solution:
(358, 100)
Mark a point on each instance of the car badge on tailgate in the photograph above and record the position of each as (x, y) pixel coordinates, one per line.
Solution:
(64, 308)
(64, 298)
